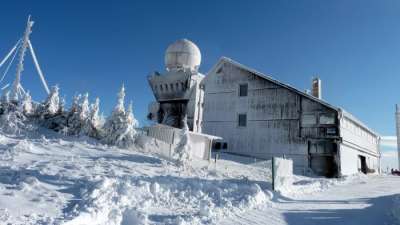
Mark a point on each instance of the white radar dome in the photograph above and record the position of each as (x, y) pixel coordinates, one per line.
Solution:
(182, 54)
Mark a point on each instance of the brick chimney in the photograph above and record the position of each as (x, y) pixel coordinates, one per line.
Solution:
(316, 88)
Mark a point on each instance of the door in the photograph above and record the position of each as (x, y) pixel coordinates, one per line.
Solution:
(321, 158)
(363, 164)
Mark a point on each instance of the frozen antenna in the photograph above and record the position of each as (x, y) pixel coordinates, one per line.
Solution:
(17, 91)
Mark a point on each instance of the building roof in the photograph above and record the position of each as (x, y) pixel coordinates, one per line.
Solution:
(269, 78)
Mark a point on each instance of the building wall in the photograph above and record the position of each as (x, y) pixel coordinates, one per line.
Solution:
(350, 162)
(273, 116)
(278, 123)
(357, 141)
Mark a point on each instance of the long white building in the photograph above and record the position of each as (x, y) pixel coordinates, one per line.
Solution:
(259, 116)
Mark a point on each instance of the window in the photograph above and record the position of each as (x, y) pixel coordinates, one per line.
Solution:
(161, 88)
(182, 86)
(242, 120)
(308, 119)
(243, 90)
(172, 87)
(327, 119)
(331, 131)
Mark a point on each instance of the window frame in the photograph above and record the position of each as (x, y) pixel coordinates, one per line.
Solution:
(328, 116)
(239, 124)
(240, 90)
(315, 123)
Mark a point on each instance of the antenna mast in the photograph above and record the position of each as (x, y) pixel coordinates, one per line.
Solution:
(17, 90)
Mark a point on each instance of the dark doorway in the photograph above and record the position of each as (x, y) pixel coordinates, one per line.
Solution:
(363, 164)
(321, 156)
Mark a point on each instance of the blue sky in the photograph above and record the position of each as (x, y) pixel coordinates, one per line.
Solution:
(95, 46)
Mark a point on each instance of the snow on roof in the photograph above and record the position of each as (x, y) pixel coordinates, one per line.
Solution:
(357, 121)
(269, 78)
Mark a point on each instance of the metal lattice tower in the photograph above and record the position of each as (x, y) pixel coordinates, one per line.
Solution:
(17, 91)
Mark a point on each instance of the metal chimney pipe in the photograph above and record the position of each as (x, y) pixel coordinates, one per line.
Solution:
(398, 132)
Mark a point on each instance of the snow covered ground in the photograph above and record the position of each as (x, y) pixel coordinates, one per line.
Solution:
(67, 181)
(355, 200)
(61, 180)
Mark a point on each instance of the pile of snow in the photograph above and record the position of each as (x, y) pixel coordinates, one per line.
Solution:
(185, 199)
(70, 180)
(300, 185)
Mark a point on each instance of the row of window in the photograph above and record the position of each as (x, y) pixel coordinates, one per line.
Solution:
(179, 86)
(356, 129)
(324, 119)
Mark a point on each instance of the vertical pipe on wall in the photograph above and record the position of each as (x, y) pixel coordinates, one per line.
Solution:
(398, 132)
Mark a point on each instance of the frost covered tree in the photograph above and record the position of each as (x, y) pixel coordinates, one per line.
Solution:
(183, 154)
(61, 108)
(11, 119)
(84, 107)
(5, 102)
(119, 128)
(92, 125)
(94, 113)
(26, 104)
(75, 103)
(78, 115)
(5, 97)
(131, 120)
(51, 105)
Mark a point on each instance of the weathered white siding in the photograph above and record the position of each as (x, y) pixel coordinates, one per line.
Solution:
(276, 123)
(357, 141)
(272, 115)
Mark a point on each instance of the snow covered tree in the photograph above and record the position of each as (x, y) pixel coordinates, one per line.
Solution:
(26, 104)
(5, 102)
(5, 97)
(84, 107)
(75, 103)
(51, 105)
(61, 107)
(11, 119)
(92, 126)
(183, 154)
(77, 115)
(119, 128)
(130, 117)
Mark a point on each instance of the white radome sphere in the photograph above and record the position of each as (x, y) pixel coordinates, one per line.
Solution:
(182, 54)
